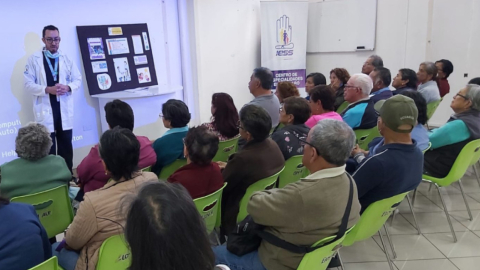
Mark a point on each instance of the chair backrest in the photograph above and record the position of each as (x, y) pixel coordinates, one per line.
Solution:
(262, 184)
(373, 219)
(293, 171)
(428, 147)
(365, 136)
(114, 254)
(342, 107)
(468, 156)
(147, 169)
(50, 264)
(171, 168)
(432, 107)
(208, 207)
(225, 149)
(53, 208)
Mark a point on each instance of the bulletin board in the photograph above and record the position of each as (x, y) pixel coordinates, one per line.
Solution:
(116, 57)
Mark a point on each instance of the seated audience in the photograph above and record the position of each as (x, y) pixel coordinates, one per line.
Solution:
(397, 166)
(381, 79)
(34, 170)
(293, 114)
(285, 90)
(338, 78)
(258, 159)
(98, 217)
(260, 86)
(200, 176)
(475, 81)
(322, 100)
(169, 147)
(462, 128)
(224, 117)
(292, 213)
(444, 69)
(165, 231)
(360, 113)
(426, 75)
(91, 172)
(372, 62)
(23, 240)
(419, 132)
(314, 79)
(405, 80)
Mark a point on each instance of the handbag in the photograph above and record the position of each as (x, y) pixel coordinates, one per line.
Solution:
(248, 235)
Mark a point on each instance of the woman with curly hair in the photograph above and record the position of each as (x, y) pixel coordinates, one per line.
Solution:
(286, 90)
(34, 170)
(338, 78)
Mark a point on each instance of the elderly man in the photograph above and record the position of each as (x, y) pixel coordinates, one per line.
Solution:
(398, 165)
(260, 86)
(427, 74)
(305, 211)
(381, 79)
(360, 114)
(374, 61)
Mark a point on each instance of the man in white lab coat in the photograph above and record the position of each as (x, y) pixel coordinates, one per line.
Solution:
(51, 77)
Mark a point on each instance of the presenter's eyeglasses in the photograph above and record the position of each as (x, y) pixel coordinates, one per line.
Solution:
(51, 40)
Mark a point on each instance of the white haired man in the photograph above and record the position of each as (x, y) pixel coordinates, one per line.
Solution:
(360, 114)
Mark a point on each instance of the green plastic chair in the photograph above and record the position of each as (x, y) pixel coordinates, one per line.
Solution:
(293, 171)
(147, 169)
(50, 264)
(225, 149)
(53, 208)
(208, 207)
(171, 168)
(114, 254)
(432, 107)
(342, 107)
(262, 184)
(372, 220)
(469, 155)
(428, 147)
(365, 136)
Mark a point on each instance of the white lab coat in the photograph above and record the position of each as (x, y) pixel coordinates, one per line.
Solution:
(35, 82)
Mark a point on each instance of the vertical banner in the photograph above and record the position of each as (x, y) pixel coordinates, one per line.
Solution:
(284, 41)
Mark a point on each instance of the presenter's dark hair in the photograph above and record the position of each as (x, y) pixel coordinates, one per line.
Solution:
(265, 76)
(165, 231)
(256, 121)
(225, 117)
(299, 108)
(176, 112)
(325, 94)
(475, 81)
(49, 27)
(318, 78)
(411, 76)
(119, 113)
(421, 104)
(447, 67)
(384, 75)
(202, 145)
(120, 150)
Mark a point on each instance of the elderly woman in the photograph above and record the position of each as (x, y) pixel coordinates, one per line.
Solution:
(462, 127)
(322, 100)
(285, 90)
(200, 176)
(258, 159)
(426, 75)
(293, 114)
(338, 78)
(98, 217)
(34, 170)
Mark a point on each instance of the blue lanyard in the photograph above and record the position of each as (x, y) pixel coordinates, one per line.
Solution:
(54, 72)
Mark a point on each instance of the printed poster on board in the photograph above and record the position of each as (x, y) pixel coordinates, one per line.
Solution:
(95, 47)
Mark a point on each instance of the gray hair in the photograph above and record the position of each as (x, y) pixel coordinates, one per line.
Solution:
(362, 81)
(431, 69)
(33, 142)
(376, 61)
(334, 140)
(473, 94)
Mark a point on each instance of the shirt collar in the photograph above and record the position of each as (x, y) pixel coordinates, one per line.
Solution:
(326, 173)
(380, 91)
(358, 101)
(400, 146)
(175, 130)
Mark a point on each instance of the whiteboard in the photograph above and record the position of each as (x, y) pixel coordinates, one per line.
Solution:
(341, 25)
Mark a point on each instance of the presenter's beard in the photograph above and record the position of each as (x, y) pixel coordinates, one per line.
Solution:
(53, 49)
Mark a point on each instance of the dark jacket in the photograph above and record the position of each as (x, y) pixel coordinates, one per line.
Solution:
(381, 96)
(403, 89)
(198, 180)
(287, 139)
(339, 99)
(257, 160)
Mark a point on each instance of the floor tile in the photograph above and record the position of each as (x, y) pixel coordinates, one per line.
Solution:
(467, 245)
(434, 222)
(401, 226)
(466, 263)
(364, 251)
(437, 264)
(462, 217)
(413, 247)
(424, 189)
(470, 185)
(475, 196)
(367, 266)
(454, 202)
(422, 204)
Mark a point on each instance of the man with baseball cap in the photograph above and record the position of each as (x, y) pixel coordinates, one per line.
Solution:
(394, 164)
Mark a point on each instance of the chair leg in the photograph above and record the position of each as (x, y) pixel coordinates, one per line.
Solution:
(341, 262)
(393, 217)
(414, 197)
(386, 251)
(390, 241)
(465, 199)
(413, 214)
(430, 187)
(476, 173)
(446, 213)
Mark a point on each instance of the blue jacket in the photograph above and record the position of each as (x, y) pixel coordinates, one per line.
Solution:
(381, 94)
(23, 240)
(169, 148)
(360, 115)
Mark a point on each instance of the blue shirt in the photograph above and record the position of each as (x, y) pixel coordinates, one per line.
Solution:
(360, 115)
(420, 135)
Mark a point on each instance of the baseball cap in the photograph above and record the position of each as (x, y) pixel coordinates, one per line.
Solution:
(398, 111)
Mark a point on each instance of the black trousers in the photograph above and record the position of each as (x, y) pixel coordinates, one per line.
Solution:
(62, 139)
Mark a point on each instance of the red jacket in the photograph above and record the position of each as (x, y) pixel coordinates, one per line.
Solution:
(198, 180)
(443, 86)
